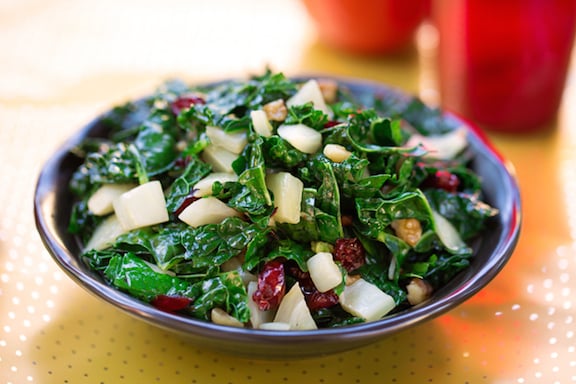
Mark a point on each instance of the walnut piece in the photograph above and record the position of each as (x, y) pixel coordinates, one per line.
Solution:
(276, 110)
(408, 230)
(419, 290)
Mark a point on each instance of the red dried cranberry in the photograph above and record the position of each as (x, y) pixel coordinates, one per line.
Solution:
(292, 269)
(445, 180)
(271, 286)
(171, 303)
(185, 102)
(315, 299)
(350, 253)
(182, 162)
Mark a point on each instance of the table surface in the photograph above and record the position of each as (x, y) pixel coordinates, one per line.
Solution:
(63, 62)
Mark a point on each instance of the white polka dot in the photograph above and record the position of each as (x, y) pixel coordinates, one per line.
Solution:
(17, 240)
(9, 266)
(533, 317)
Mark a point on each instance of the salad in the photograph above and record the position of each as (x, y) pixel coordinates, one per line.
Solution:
(277, 203)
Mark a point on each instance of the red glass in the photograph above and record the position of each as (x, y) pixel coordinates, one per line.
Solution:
(503, 63)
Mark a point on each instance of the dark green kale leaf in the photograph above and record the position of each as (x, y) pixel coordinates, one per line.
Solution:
(278, 153)
(194, 171)
(157, 148)
(225, 291)
(376, 214)
(327, 202)
(308, 115)
(251, 170)
(82, 221)
(135, 276)
(240, 97)
(214, 244)
(159, 243)
(355, 180)
(466, 212)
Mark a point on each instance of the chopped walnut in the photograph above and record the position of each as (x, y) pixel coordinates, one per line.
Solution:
(408, 230)
(276, 110)
(419, 290)
(329, 89)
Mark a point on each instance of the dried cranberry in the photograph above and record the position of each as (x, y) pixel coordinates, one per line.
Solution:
(315, 299)
(184, 102)
(181, 162)
(443, 179)
(271, 286)
(350, 253)
(171, 303)
(331, 123)
(293, 270)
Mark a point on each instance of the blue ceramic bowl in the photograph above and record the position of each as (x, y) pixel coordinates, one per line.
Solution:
(53, 203)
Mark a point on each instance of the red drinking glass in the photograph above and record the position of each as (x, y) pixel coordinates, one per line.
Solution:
(503, 63)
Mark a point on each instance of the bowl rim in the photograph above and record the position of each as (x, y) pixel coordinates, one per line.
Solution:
(45, 219)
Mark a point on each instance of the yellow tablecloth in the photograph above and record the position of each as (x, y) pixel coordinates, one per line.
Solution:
(62, 62)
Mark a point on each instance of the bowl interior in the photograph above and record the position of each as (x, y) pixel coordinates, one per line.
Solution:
(53, 203)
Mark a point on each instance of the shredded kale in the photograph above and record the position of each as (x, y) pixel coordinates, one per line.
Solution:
(384, 180)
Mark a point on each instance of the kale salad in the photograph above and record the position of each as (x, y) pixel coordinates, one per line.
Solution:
(277, 203)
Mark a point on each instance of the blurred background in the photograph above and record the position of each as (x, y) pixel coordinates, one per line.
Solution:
(62, 62)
